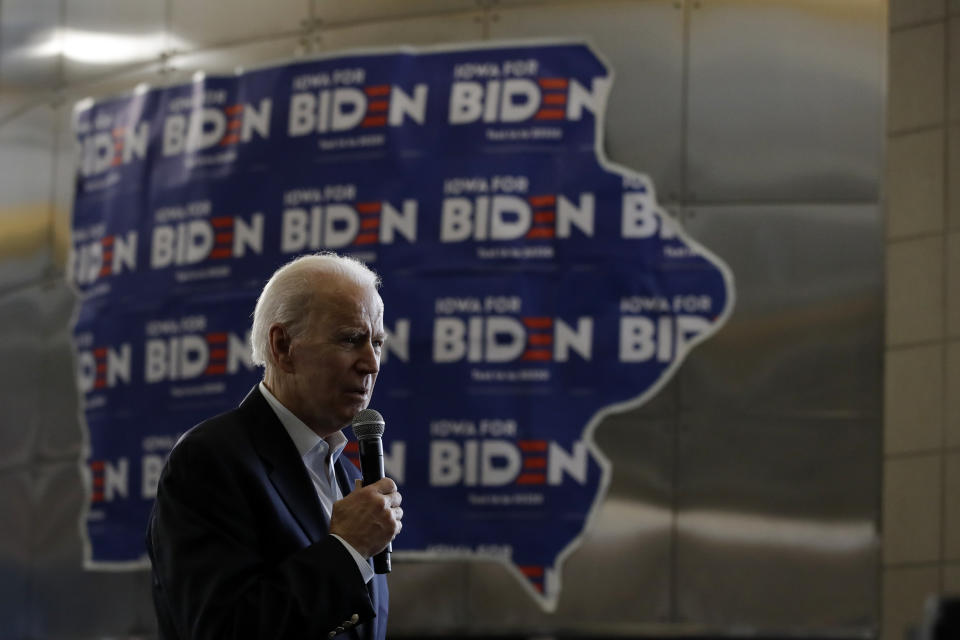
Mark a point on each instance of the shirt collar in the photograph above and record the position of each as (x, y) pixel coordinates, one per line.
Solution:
(305, 439)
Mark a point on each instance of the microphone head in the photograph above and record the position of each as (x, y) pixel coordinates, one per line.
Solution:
(368, 424)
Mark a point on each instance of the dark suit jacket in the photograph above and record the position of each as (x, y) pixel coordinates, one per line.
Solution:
(239, 543)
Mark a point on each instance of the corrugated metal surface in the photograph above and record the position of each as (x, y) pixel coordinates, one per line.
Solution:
(743, 497)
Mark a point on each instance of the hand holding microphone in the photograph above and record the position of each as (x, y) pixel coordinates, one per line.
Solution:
(370, 517)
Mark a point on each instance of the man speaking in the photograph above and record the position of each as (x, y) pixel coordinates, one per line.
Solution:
(258, 530)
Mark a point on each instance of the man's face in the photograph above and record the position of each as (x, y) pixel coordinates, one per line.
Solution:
(337, 358)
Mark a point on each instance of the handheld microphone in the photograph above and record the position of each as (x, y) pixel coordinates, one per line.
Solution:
(368, 428)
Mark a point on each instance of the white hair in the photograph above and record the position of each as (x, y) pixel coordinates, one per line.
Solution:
(290, 295)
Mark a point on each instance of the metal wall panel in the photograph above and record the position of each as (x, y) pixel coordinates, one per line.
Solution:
(779, 444)
(776, 524)
(213, 22)
(337, 12)
(26, 77)
(15, 551)
(26, 145)
(58, 435)
(420, 31)
(66, 152)
(805, 333)
(22, 352)
(427, 595)
(67, 601)
(786, 100)
(228, 60)
(642, 41)
(743, 497)
(104, 36)
(620, 577)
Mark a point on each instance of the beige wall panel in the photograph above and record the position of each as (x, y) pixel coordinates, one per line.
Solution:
(912, 509)
(951, 501)
(913, 399)
(914, 295)
(953, 68)
(953, 285)
(953, 177)
(953, 394)
(914, 183)
(905, 12)
(915, 87)
(905, 591)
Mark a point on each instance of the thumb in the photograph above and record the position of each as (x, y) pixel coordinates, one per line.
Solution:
(357, 484)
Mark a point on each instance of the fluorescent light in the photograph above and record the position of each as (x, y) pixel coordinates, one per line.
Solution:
(94, 47)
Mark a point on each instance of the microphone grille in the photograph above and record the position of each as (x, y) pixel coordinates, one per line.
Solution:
(368, 423)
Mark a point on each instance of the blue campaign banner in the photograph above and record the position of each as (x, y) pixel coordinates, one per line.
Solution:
(531, 287)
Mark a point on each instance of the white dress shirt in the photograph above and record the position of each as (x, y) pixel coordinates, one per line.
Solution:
(318, 455)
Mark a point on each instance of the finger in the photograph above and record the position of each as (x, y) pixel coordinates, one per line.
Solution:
(386, 485)
(397, 513)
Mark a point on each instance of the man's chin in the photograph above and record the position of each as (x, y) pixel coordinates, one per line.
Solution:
(353, 409)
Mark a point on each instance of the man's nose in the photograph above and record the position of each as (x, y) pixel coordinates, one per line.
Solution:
(369, 361)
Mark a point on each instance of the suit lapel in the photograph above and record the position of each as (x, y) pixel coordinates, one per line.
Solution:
(283, 464)
(347, 473)
(344, 477)
(290, 478)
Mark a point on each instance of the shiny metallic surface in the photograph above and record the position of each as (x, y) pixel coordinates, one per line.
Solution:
(25, 77)
(15, 550)
(803, 337)
(26, 143)
(21, 346)
(335, 12)
(59, 436)
(776, 523)
(785, 100)
(620, 578)
(428, 595)
(419, 30)
(216, 22)
(64, 183)
(69, 602)
(780, 422)
(181, 68)
(642, 42)
(102, 37)
(744, 497)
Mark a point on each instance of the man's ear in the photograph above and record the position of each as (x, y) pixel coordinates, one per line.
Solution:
(280, 347)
